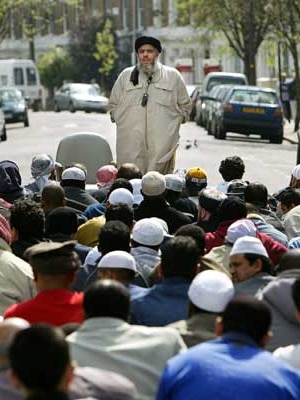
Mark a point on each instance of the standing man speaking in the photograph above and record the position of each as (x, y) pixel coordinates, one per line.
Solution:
(148, 103)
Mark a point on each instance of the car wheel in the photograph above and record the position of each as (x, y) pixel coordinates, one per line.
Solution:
(72, 108)
(208, 127)
(4, 134)
(277, 139)
(56, 107)
(26, 120)
(220, 132)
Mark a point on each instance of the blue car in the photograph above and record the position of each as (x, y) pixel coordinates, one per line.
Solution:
(250, 110)
(14, 106)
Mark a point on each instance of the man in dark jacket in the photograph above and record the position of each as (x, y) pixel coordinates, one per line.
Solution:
(155, 204)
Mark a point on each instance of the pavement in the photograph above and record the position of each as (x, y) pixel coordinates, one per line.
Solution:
(289, 134)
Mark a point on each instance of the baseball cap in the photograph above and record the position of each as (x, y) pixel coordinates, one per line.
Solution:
(153, 184)
(248, 245)
(211, 291)
(174, 182)
(196, 175)
(73, 173)
(241, 227)
(236, 187)
(121, 196)
(118, 259)
(148, 232)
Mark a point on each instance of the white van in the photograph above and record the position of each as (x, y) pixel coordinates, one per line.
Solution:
(23, 75)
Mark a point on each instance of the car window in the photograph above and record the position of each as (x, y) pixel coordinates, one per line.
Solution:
(253, 96)
(223, 80)
(18, 76)
(84, 90)
(31, 76)
(9, 95)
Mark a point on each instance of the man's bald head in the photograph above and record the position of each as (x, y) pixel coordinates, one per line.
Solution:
(8, 329)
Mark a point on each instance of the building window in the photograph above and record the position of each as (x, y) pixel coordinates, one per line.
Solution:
(140, 23)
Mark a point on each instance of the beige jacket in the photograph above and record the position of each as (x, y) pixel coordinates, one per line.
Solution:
(148, 136)
(16, 278)
(137, 352)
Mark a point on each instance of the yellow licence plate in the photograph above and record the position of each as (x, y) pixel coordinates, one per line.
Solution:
(253, 110)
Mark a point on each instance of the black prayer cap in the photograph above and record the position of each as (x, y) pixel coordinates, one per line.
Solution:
(140, 41)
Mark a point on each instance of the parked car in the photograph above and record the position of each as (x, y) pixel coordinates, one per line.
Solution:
(193, 91)
(213, 105)
(213, 79)
(80, 96)
(3, 135)
(14, 106)
(250, 110)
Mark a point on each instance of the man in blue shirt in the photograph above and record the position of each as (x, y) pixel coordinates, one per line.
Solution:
(234, 366)
(168, 301)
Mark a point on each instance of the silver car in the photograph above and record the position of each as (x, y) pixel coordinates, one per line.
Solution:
(80, 96)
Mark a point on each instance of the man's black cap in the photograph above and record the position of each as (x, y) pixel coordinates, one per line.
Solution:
(140, 41)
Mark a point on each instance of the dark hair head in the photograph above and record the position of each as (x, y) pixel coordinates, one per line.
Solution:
(120, 183)
(73, 182)
(290, 197)
(107, 298)
(114, 235)
(289, 260)
(195, 232)
(61, 220)
(296, 293)
(120, 212)
(232, 168)
(179, 257)
(39, 356)
(129, 171)
(27, 217)
(266, 263)
(53, 196)
(257, 194)
(232, 208)
(247, 315)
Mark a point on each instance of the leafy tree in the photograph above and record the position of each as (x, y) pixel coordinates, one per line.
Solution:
(82, 46)
(243, 23)
(37, 15)
(105, 53)
(54, 67)
(286, 24)
(5, 8)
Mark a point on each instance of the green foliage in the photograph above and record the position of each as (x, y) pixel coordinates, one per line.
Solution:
(105, 49)
(243, 23)
(82, 46)
(55, 67)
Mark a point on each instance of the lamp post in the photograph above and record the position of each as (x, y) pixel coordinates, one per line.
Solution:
(133, 7)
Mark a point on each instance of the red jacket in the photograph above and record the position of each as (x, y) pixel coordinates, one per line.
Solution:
(274, 249)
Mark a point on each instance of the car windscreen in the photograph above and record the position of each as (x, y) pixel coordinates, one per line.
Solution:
(85, 90)
(253, 96)
(223, 80)
(10, 95)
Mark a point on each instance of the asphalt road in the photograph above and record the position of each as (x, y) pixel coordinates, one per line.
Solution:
(265, 162)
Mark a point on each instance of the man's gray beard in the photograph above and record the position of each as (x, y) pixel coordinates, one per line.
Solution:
(148, 69)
